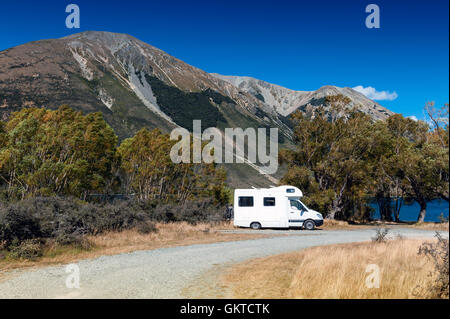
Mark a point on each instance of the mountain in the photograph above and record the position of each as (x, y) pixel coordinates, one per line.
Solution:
(286, 101)
(135, 85)
(132, 83)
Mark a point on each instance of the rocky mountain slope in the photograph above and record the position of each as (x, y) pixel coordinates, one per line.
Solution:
(286, 101)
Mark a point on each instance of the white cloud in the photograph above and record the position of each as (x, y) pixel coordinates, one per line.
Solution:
(414, 118)
(373, 94)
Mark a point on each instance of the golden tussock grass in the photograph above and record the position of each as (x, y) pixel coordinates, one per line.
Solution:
(330, 224)
(337, 272)
(170, 234)
(432, 226)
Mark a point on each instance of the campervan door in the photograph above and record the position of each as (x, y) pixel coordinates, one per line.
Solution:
(295, 211)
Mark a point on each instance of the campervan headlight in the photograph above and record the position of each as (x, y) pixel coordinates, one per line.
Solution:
(319, 216)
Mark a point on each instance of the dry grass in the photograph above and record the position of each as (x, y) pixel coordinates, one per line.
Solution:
(171, 234)
(168, 235)
(432, 226)
(330, 224)
(337, 271)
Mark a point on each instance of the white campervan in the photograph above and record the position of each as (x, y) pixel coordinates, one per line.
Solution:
(277, 207)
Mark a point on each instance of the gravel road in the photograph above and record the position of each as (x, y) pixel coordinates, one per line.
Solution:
(165, 273)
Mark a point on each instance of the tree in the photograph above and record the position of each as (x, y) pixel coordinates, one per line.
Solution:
(149, 172)
(344, 158)
(421, 159)
(56, 152)
(330, 161)
(439, 136)
(384, 179)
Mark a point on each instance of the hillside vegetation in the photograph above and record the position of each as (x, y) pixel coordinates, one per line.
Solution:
(59, 171)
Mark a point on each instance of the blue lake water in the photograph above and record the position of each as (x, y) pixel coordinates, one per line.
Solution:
(409, 213)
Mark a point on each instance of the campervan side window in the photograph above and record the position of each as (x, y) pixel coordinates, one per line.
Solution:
(269, 201)
(246, 201)
(290, 190)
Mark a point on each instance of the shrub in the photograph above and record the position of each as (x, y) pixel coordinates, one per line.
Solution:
(438, 253)
(193, 212)
(27, 249)
(146, 228)
(442, 218)
(380, 235)
(65, 220)
(16, 224)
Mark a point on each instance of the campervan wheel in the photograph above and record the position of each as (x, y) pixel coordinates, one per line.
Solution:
(309, 225)
(255, 225)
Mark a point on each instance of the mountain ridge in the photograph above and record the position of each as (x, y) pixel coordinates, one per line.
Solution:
(286, 101)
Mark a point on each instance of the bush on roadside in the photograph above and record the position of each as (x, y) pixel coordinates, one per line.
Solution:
(65, 221)
(146, 228)
(26, 225)
(442, 218)
(438, 253)
(193, 212)
(17, 225)
(380, 235)
(27, 249)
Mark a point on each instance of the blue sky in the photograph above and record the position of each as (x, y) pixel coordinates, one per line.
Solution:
(301, 45)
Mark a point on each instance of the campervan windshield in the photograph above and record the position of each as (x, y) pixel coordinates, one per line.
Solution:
(298, 204)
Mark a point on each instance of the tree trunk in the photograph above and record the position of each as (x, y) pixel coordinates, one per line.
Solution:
(398, 206)
(423, 211)
(337, 205)
(331, 214)
(385, 208)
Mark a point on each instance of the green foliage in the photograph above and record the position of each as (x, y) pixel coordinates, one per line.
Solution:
(50, 160)
(417, 163)
(65, 153)
(184, 107)
(150, 173)
(56, 152)
(28, 249)
(344, 158)
(331, 161)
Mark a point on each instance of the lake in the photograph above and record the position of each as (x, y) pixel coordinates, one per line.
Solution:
(409, 213)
